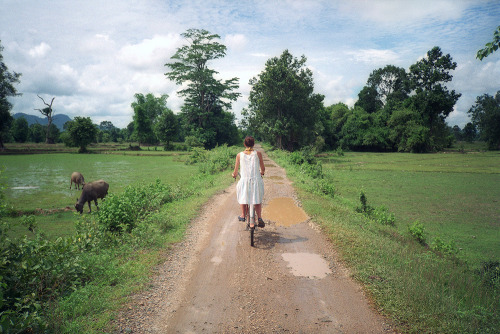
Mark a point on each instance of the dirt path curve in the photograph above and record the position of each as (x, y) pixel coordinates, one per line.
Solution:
(290, 282)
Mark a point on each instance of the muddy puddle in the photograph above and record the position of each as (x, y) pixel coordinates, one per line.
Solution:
(307, 265)
(284, 212)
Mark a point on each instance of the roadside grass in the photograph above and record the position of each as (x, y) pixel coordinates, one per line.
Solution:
(455, 196)
(94, 308)
(112, 265)
(423, 290)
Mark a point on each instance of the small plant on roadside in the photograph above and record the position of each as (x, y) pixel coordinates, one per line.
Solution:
(417, 231)
(382, 216)
(447, 248)
(364, 208)
(29, 222)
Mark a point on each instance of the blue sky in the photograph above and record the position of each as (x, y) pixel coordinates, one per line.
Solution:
(94, 55)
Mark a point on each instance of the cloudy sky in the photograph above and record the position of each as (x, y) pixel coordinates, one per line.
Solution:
(94, 55)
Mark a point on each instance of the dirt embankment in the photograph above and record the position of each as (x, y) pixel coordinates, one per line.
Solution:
(290, 282)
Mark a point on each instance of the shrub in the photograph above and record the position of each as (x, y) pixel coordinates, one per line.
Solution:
(448, 248)
(120, 213)
(417, 231)
(382, 216)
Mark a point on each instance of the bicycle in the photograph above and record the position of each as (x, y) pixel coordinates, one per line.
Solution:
(250, 215)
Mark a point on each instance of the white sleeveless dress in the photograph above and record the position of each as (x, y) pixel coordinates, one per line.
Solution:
(250, 187)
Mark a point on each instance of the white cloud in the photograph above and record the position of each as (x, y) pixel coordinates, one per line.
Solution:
(150, 53)
(236, 42)
(40, 50)
(390, 12)
(374, 57)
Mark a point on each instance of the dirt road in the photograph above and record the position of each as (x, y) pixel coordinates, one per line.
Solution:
(290, 282)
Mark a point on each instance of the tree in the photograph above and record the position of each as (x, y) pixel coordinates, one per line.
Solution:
(80, 133)
(283, 108)
(391, 84)
(7, 89)
(490, 47)
(204, 95)
(430, 96)
(469, 132)
(146, 111)
(109, 132)
(485, 115)
(166, 127)
(369, 100)
(48, 113)
(36, 133)
(20, 130)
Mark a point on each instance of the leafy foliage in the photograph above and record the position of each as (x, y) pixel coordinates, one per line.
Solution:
(205, 112)
(485, 115)
(283, 108)
(7, 89)
(491, 46)
(147, 109)
(121, 213)
(417, 231)
(80, 133)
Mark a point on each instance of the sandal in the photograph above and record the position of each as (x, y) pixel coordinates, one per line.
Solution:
(261, 223)
(241, 219)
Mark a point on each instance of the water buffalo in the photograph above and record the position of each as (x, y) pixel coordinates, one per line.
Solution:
(91, 192)
(77, 179)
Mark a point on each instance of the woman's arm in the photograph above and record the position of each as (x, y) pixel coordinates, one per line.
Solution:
(236, 166)
(261, 161)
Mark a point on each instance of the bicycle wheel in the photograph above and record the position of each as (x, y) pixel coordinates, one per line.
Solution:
(252, 231)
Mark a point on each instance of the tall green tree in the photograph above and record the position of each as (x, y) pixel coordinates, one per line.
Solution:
(20, 130)
(80, 133)
(147, 109)
(283, 107)
(369, 100)
(7, 89)
(431, 98)
(490, 47)
(485, 115)
(166, 127)
(204, 95)
(391, 84)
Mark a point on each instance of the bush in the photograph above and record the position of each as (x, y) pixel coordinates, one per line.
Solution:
(382, 216)
(417, 231)
(490, 273)
(120, 213)
(448, 248)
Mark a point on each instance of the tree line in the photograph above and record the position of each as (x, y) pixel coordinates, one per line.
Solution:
(397, 109)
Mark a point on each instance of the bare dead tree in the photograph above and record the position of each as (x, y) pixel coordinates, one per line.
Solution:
(48, 113)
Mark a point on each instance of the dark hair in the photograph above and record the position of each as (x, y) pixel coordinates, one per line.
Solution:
(249, 141)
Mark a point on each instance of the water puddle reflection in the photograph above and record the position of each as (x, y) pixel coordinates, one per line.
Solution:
(24, 188)
(307, 265)
(284, 212)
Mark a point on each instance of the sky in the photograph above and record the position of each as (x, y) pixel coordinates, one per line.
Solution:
(92, 56)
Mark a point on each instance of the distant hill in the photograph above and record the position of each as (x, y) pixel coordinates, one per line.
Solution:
(58, 120)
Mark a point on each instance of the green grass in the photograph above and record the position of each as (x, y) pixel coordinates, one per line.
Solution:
(455, 196)
(420, 289)
(126, 264)
(48, 175)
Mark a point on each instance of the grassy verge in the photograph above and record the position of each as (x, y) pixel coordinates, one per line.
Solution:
(76, 282)
(424, 289)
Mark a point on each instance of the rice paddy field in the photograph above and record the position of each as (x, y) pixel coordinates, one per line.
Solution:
(455, 196)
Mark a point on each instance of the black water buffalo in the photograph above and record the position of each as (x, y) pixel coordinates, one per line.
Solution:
(77, 179)
(91, 192)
